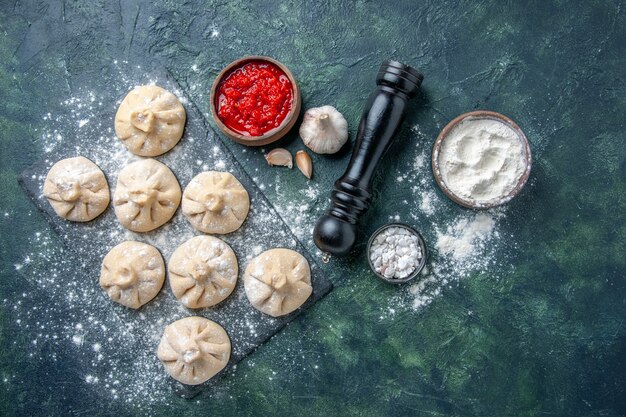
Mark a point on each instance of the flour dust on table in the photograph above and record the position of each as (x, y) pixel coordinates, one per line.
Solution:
(469, 242)
(85, 127)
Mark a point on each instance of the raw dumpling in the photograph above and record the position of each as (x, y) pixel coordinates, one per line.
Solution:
(150, 120)
(194, 349)
(203, 271)
(77, 189)
(147, 195)
(215, 202)
(132, 273)
(278, 281)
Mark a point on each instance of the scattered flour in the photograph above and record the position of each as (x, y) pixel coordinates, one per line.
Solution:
(67, 307)
(466, 243)
(461, 238)
(426, 204)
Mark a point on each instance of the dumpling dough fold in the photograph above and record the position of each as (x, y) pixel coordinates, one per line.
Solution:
(147, 195)
(194, 349)
(150, 120)
(203, 271)
(215, 202)
(278, 281)
(77, 189)
(132, 273)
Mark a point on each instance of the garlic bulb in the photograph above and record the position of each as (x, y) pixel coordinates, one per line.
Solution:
(324, 129)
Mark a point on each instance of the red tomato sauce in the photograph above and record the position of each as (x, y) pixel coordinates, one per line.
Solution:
(254, 98)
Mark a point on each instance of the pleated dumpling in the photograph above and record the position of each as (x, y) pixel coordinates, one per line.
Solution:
(215, 202)
(132, 273)
(147, 195)
(278, 281)
(203, 271)
(150, 120)
(77, 189)
(194, 349)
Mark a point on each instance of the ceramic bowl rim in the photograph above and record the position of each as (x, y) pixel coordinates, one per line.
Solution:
(422, 244)
(274, 134)
(480, 114)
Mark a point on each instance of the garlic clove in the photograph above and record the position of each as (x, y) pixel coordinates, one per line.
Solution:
(279, 157)
(324, 129)
(304, 163)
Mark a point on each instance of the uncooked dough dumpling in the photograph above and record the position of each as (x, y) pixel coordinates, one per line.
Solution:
(132, 273)
(278, 281)
(215, 202)
(203, 271)
(150, 120)
(194, 349)
(147, 195)
(77, 189)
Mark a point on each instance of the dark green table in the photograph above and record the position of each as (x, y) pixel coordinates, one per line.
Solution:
(532, 324)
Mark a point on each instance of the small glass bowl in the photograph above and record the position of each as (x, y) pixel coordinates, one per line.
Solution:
(420, 241)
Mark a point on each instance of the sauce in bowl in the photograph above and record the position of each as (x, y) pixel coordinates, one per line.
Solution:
(254, 98)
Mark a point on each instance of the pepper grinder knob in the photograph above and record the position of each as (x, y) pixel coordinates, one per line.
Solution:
(396, 83)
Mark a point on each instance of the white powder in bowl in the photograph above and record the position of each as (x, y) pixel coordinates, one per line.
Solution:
(396, 252)
(482, 160)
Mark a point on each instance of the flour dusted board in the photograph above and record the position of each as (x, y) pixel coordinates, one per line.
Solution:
(199, 150)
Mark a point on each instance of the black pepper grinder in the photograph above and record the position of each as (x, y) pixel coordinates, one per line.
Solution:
(335, 231)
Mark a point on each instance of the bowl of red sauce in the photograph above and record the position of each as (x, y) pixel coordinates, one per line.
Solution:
(255, 100)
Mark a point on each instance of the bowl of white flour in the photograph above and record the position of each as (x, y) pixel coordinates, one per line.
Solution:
(481, 159)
